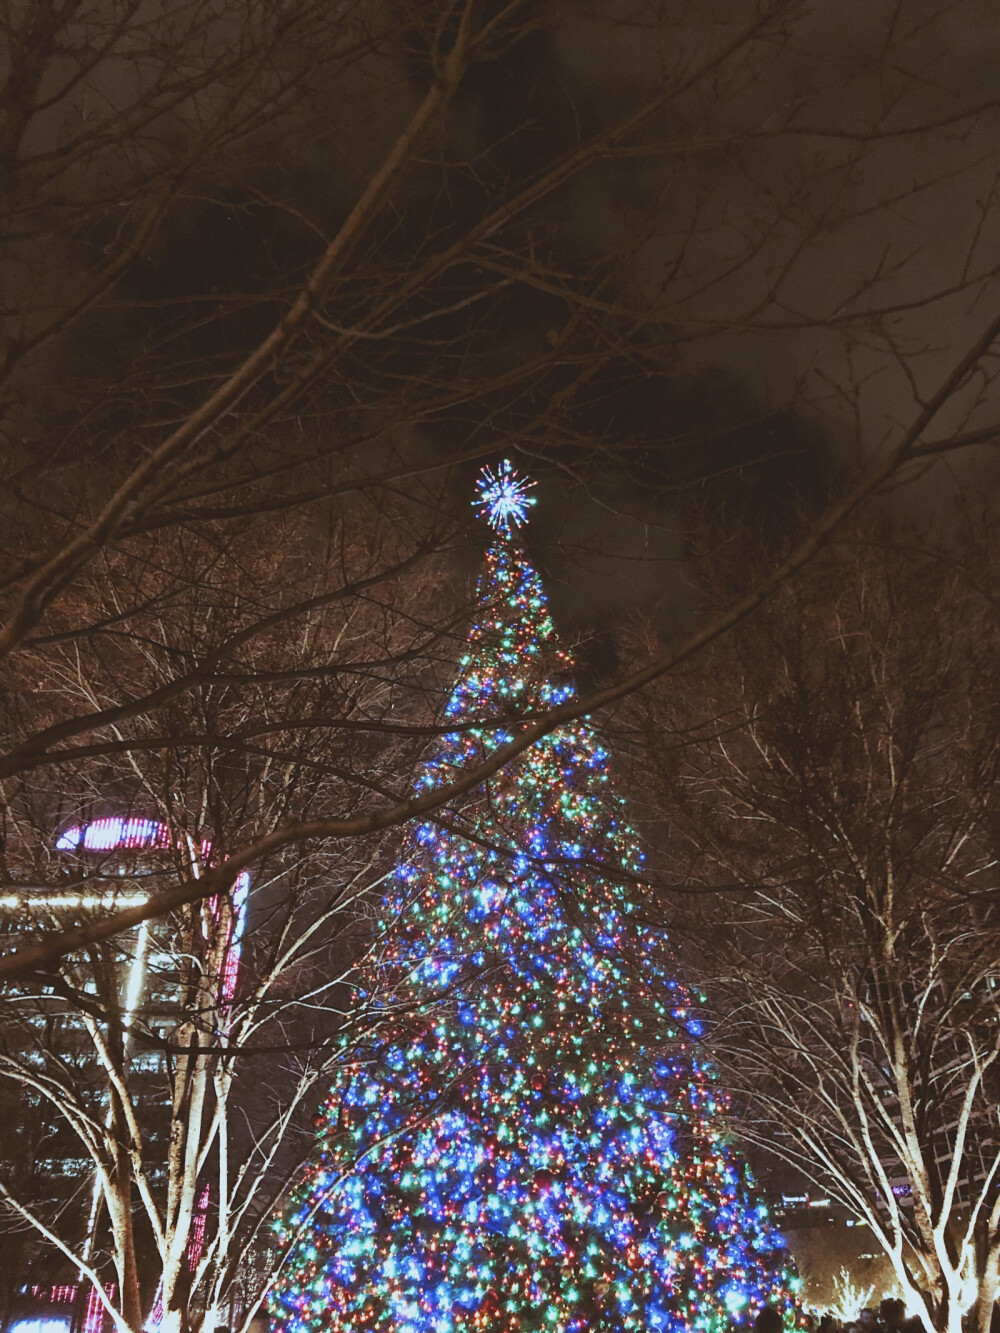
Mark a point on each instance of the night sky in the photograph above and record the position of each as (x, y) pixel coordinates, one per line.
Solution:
(851, 153)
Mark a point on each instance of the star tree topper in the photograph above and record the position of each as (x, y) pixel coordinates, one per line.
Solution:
(502, 497)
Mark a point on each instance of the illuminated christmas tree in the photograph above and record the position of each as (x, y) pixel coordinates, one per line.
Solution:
(533, 1142)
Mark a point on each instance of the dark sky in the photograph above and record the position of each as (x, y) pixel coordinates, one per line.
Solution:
(810, 232)
(887, 249)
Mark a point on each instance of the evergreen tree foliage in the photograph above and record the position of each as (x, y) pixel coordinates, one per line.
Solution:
(539, 1145)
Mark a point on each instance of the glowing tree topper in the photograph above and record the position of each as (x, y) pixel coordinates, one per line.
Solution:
(530, 1140)
(502, 497)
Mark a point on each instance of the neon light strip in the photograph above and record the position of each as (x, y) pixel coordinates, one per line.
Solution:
(105, 835)
(10, 901)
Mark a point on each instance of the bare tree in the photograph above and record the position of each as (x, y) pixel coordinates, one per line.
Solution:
(160, 1084)
(183, 1100)
(829, 780)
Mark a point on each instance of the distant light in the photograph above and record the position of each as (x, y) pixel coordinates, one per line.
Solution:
(105, 835)
(11, 901)
(40, 1324)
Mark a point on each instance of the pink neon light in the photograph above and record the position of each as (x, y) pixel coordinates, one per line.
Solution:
(66, 1293)
(93, 1319)
(231, 966)
(197, 1239)
(63, 1293)
(196, 1242)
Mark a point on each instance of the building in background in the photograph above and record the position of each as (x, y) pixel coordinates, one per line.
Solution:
(42, 1155)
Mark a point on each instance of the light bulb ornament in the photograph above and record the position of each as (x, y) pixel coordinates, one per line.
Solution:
(502, 497)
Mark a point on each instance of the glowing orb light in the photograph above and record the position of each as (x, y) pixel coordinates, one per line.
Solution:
(502, 497)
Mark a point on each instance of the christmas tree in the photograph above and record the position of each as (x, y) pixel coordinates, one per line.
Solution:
(533, 1141)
